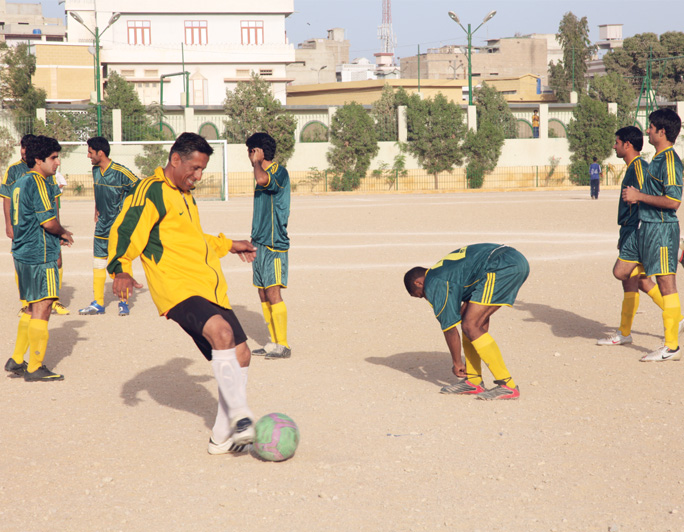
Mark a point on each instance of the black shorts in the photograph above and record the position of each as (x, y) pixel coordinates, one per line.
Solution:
(193, 313)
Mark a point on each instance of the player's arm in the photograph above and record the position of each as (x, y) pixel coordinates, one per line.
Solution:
(9, 230)
(261, 176)
(54, 227)
(453, 340)
(634, 195)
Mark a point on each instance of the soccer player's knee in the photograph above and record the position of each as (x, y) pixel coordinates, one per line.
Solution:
(470, 329)
(223, 337)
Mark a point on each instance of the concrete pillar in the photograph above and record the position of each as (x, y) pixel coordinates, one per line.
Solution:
(680, 110)
(543, 120)
(189, 123)
(402, 127)
(472, 118)
(612, 108)
(573, 97)
(41, 114)
(116, 125)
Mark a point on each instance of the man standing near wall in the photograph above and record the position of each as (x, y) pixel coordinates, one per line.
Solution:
(594, 178)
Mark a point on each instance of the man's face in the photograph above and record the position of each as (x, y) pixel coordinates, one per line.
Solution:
(619, 147)
(95, 156)
(23, 153)
(187, 172)
(654, 134)
(49, 166)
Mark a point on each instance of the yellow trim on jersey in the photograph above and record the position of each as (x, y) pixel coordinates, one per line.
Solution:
(488, 291)
(664, 255)
(674, 199)
(452, 326)
(125, 171)
(445, 301)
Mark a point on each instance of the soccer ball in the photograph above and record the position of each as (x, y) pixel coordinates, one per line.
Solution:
(277, 437)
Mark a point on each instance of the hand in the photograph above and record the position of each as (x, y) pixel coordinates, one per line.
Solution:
(9, 231)
(66, 238)
(459, 370)
(244, 249)
(630, 195)
(123, 286)
(256, 156)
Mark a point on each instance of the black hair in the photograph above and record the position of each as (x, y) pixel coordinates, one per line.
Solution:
(631, 134)
(41, 148)
(595, 159)
(411, 276)
(668, 120)
(264, 141)
(99, 144)
(26, 139)
(188, 143)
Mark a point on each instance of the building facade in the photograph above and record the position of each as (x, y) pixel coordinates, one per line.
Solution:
(317, 60)
(26, 23)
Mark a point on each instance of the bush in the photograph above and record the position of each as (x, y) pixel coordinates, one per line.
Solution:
(475, 174)
(346, 182)
(579, 173)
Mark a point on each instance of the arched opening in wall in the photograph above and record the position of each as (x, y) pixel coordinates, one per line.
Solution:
(524, 129)
(557, 129)
(314, 131)
(167, 132)
(209, 131)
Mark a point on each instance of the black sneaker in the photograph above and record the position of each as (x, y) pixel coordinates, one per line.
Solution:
(42, 374)
(13, 367)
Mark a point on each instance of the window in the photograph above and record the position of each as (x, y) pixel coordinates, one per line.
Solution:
(265, 72)
(195, 32)
(139, 32)
(242, 73)
(252, 31)
(151, 73)
(128, 73)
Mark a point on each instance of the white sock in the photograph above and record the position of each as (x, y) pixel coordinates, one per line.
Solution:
(231, 381)
(221, 431)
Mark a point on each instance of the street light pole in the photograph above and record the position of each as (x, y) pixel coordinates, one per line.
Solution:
(470, 33)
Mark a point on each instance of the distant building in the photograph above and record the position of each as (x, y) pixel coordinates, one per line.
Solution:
(26, 23)
(218, 43)
(65, 71)
(610, 38)
(316, 60)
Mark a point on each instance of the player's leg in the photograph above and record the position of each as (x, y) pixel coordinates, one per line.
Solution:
(57, 306)
(276, 279)
(628, 273)
(268, 320)
(99, 277)
(472, 384)
(16, 364)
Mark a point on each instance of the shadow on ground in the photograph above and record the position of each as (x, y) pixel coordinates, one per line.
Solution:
(171, 385)
(431, 367)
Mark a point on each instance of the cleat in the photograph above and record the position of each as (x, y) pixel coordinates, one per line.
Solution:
(229, 446)
(279, 352)
(18, 369)
(243, 431)
(23, 310)
(42, 374)
(616, 339)
(502, 391)
(92, 310)
(662, 354)
(262, 351)
(123, 309)
(58, 308)
(463, 387)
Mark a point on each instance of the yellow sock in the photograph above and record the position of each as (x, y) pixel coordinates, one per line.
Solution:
(268, 318)
(656, 296)
(491, 354)
(99, 278)
(279, 314)
(22, 339)
(671, 313)
(473, 362)
(630, 304)
(38, 339)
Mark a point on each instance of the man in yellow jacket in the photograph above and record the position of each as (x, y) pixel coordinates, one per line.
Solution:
(159, 222)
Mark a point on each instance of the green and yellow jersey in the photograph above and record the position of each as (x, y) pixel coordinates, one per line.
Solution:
(662, 178)
(13, 172)
(110, 187)
(628, 213)
(32, 205)
(272, 210)
(160, 224)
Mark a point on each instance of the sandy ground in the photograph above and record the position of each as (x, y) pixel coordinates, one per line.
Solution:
(594, 443)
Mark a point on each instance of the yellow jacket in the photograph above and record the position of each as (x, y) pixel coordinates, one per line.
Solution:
(160, 223)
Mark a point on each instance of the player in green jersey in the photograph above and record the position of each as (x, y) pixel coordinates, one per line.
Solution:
(628, 268)
(658, 234)
(111, 183)
(37, 235)
(269, 235)
(13, 172)
(467, 287)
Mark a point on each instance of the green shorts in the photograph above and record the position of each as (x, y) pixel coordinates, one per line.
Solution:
(100, 247)
(37, 281)
(628, 245)
(505, 272)
(269, 268)
(659, 247)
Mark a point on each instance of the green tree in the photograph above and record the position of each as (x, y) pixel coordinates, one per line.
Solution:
(630, 62)
(436, 129)
(136, 123)
(573, 35)
(384, 112)
(252, 108)
(7, 146)
(590, 134)
(16, 86)
(614, 88)
(60, 126)
(154, 155)
(354, 143)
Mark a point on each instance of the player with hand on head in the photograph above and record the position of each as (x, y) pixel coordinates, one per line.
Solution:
(269, 235)
(111, 183)
(36, 242)
(159, 223)
(467, 287)
(658, 235)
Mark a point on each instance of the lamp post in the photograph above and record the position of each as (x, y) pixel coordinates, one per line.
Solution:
(454, 17)
(96, 34)
(319, 72)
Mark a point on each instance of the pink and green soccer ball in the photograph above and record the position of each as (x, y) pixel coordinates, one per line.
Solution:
(277, 437)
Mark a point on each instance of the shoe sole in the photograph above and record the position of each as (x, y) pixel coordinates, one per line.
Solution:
(90, 313)
(214, 449)
(42, 379)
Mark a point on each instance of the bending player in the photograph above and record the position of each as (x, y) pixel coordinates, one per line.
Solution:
(467, 287)
(628, 268)
(160, 223)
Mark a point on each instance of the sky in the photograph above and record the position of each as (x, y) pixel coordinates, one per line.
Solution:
(426, 23)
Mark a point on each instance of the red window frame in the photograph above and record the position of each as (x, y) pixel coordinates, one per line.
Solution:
(252, 31)
(139, 32)
(196, 32)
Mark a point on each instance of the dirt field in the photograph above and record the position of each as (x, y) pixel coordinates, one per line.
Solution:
(594, 443)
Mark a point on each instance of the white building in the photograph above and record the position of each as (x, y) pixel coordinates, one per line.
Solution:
(218, 42)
